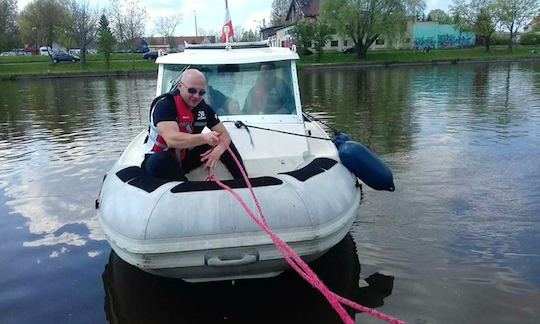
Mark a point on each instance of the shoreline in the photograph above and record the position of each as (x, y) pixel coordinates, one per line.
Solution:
(386, 64)
(355, 65)
(107, 74)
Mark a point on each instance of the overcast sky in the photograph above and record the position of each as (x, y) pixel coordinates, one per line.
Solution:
(211, 13)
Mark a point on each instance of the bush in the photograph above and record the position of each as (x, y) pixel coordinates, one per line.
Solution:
(531, 38)
(497, 39)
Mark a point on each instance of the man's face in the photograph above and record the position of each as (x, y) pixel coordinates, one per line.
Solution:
(192, 90)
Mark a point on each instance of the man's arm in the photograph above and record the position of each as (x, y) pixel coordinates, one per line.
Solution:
(175, 138)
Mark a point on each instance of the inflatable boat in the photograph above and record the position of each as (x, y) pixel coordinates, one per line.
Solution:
(197, 231)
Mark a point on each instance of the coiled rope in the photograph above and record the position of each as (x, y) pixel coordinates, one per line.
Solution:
(294, 259)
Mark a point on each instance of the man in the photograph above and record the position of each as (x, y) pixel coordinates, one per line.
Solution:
(270, 95)
(175, 142)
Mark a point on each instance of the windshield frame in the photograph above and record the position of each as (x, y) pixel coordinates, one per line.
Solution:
(248, 118)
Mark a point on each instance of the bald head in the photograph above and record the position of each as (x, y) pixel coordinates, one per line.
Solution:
(192, 75)
(192, 87)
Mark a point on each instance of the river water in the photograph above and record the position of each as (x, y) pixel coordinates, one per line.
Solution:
(458, 241)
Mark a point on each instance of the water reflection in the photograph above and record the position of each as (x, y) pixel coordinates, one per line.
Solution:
(366, 103)
(58, 139)
(133, 296)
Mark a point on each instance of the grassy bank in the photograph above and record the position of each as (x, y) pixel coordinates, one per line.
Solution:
(12, 67)
(412, 56)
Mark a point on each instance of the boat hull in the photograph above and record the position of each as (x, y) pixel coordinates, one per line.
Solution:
(241, 260)
(157, 229)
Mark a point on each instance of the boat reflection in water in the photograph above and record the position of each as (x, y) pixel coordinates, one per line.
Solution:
(134, 296)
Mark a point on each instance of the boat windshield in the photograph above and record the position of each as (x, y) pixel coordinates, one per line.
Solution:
(242, 89)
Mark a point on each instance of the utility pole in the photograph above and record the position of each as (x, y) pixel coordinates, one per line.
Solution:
(195, 13)
(35, 30)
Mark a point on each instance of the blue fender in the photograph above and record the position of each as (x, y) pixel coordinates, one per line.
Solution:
(365, 165)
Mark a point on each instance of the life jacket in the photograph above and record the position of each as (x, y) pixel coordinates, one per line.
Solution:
(155, 142)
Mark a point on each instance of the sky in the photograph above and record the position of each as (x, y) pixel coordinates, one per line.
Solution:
(211, 13)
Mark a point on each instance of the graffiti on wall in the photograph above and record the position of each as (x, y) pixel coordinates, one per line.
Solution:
(424, 42)
(452, 41)
(444, 41)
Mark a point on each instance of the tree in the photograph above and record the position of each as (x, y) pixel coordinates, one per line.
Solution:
(364, 21)
(81, 25)
(9, 29)
(322, 33)
(308, 32)
(514, 14)
(478, 16)
(249, 36)
(128, 20)
(304, 34)
(279, 12)
(165, 26)
(47, 16)
(439, 16)
(105, 39)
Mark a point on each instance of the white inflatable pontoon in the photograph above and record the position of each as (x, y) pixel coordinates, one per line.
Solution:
(197, 231)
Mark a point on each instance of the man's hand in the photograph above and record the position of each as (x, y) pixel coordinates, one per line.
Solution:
(211, 138)
(210, 157)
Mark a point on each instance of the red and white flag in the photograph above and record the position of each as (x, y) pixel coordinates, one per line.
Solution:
(227, 29)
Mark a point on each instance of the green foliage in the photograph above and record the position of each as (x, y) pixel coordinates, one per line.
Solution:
(532, 38)
(249, 36)
(81, 25)
(322, 33)
(9, 30)
(439, 16)
(499, 39)
(477, 16)
(105, 39)
(309, 32)
(47, 16)
(514, 14)
(303, 33)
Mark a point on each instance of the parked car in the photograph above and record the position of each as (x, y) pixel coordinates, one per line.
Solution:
(17, 52)
(45, 50)
(142, 50)
(75, 51)
(349, 50)
(152, 55)
(64, 57)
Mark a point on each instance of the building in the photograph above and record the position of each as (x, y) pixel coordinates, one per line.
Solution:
(531, 24)
(432, 35)
(309, 9)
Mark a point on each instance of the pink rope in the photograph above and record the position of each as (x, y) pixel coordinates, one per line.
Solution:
(294, 259)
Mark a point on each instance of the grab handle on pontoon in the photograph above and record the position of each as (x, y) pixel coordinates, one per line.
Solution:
(216, 261)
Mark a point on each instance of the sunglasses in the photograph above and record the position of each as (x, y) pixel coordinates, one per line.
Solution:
(193, 91)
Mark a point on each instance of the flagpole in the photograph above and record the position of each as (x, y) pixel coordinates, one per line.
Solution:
(195, 13)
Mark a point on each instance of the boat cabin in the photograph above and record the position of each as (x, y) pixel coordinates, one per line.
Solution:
(251, 82)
